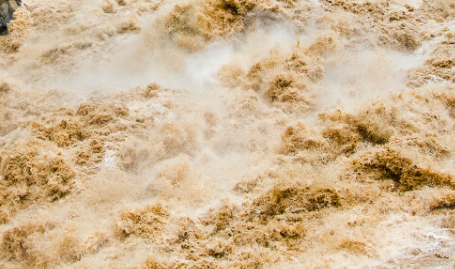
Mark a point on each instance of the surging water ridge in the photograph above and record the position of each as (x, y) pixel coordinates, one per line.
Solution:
(228, 134)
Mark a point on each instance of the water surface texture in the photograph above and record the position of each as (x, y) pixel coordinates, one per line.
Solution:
(228, 134)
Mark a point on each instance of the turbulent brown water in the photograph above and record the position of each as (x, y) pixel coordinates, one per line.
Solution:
(228, 134)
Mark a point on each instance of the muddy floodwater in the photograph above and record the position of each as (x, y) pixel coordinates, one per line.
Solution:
(156, 134)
